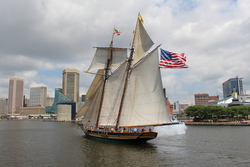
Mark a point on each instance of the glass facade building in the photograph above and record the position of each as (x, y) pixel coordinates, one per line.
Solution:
(59, 98)
(232, 85)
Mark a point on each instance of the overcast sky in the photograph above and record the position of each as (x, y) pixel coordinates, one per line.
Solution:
(41, 38)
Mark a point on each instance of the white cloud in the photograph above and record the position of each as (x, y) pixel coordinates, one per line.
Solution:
(41, 38)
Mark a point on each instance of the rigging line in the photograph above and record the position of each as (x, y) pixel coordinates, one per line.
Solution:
(128, 30)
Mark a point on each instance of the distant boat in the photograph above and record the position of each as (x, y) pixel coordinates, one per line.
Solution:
(125, 100)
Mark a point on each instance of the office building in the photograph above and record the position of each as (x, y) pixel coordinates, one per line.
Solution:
(3, 106)
(32, 110)
(49, 101)
(70, 84)
(176, 108)
(38, 96)
(16, 96)
(232, 85)
(205, 99)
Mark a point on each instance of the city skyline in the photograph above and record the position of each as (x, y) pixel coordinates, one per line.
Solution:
(40, 43)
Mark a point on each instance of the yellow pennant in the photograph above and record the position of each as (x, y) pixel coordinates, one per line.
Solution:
(140, 17)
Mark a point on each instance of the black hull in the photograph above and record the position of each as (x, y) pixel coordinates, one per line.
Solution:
(132, 137)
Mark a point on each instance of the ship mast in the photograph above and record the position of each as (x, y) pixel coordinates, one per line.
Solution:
(125, 87)
(106, 74)
(126, 78)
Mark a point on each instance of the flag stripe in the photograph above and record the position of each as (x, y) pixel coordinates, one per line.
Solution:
(172, 60)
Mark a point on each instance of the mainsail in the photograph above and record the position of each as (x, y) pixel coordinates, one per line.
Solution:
(145, 103)
(112, 96)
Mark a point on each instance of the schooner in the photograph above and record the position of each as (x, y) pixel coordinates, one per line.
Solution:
(125, 100)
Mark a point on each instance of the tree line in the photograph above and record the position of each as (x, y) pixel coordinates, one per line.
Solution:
(218, 113)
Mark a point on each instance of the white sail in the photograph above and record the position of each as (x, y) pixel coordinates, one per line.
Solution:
(112, 96)
(92, 107)
(99, 61)
(98, 80)
(94, 94)
(144, 102)
(141, 43)
(95, 83)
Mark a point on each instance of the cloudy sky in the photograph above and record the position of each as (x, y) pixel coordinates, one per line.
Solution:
(41, 38)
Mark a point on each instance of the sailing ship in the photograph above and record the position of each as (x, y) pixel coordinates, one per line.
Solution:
(126, 99)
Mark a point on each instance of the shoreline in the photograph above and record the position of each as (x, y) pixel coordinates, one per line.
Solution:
(243, 123)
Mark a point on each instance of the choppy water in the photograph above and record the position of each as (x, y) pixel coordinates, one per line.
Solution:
(37, 143)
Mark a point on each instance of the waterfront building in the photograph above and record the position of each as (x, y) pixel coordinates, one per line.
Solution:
(3, 106)
(26, 102)
(16, 96)
(66, 111)
(49, 101)
(70, 84)
(38, 96)
(32, 110)
(59, 98)
(232, 85)
(244, 99)
(205, 99)
(183, 108)
(176, 108)
(83, 98)
(169, 107)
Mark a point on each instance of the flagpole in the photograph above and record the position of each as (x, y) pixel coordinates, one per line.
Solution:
(112, 39)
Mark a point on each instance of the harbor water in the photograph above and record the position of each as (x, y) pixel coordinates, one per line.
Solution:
(36, 143)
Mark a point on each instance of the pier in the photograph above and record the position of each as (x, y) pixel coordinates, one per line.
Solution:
(239, 123)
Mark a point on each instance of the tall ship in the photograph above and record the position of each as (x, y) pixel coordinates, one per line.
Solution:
(126, 99)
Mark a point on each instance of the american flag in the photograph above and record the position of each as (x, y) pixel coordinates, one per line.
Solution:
(172, 60)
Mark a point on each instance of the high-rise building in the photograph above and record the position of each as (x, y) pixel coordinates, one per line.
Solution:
(3, 106)
(70, 85)
(15, 98)
(232, 85)
(38, 96)
(176, 107)
(49, 101)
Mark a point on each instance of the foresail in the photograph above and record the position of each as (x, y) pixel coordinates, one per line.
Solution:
(99, 61)
(95, 85)
(92, 107)
(141, 42)
(112, 96)
(144, 103)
